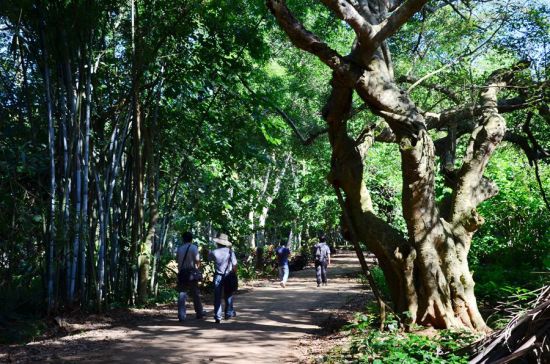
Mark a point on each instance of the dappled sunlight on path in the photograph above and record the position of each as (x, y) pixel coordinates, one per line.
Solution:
(269, 321)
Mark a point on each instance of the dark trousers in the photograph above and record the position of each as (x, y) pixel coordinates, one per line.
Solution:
(193, 289)
(321, 271)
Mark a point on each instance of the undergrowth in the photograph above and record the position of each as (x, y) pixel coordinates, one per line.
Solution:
(502, 292)
(370, 345)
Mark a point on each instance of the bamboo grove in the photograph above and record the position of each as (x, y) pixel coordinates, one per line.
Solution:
(96, 74)
(97, 171)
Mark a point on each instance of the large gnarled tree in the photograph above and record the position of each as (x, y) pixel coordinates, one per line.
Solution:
(427, 271)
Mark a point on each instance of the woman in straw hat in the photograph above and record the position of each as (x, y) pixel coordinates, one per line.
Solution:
(225, 263)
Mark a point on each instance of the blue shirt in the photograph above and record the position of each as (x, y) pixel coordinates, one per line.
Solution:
(282, 254)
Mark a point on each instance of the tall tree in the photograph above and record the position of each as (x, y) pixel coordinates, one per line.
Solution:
(426, 270)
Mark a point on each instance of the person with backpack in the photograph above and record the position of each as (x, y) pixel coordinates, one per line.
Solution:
(225, 277)
(322, 260)
(282, 259)
(189, 275)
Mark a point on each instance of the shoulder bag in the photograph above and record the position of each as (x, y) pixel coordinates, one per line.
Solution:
(187, 275)
(230, 279)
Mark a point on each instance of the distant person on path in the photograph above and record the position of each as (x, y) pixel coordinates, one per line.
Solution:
(188, 259)
(321, 253)
(282, 259)
(225, 262)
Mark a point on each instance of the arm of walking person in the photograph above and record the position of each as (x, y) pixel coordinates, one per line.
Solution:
(178, 258)
(198, 259)
(234, 261)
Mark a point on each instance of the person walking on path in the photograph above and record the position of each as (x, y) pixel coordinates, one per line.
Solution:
(322, 260)
(188, 260)
(282, 259)
(225, 263)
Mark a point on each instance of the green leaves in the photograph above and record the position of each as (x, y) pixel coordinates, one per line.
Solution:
(368, 345)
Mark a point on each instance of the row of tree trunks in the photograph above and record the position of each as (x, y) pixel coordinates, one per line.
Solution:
(270, 188)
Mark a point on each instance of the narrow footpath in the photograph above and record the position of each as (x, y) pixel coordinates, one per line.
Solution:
(270, 322)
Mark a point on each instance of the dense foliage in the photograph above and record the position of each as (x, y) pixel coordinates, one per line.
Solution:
(123, 124)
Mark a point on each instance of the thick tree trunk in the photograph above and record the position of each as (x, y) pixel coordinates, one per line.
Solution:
(427, 271)
(427, 274)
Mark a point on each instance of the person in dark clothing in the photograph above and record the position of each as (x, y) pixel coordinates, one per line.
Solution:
(188, 258)
(282, 259)
(321, 252)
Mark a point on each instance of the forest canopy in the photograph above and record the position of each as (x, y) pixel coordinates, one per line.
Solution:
(125, 123)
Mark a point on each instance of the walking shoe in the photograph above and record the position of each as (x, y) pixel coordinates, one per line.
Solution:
(217, 321)
(283, 284)
(181, 319)
(234, 314)
(318, 285)
(201, 315)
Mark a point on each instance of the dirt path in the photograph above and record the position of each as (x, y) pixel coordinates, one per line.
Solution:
(269, 322)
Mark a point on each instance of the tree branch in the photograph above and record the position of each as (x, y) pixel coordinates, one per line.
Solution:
(527, 129)
(459, 115)
(292, 124)
(471, 187)
(396, 20)
(303, 38)
(456, 60)
(533, 153)
(286, 118)
(350, 15)
(388, 101)
(444, 90)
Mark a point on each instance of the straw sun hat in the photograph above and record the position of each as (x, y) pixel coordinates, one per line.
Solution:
(222, 239)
